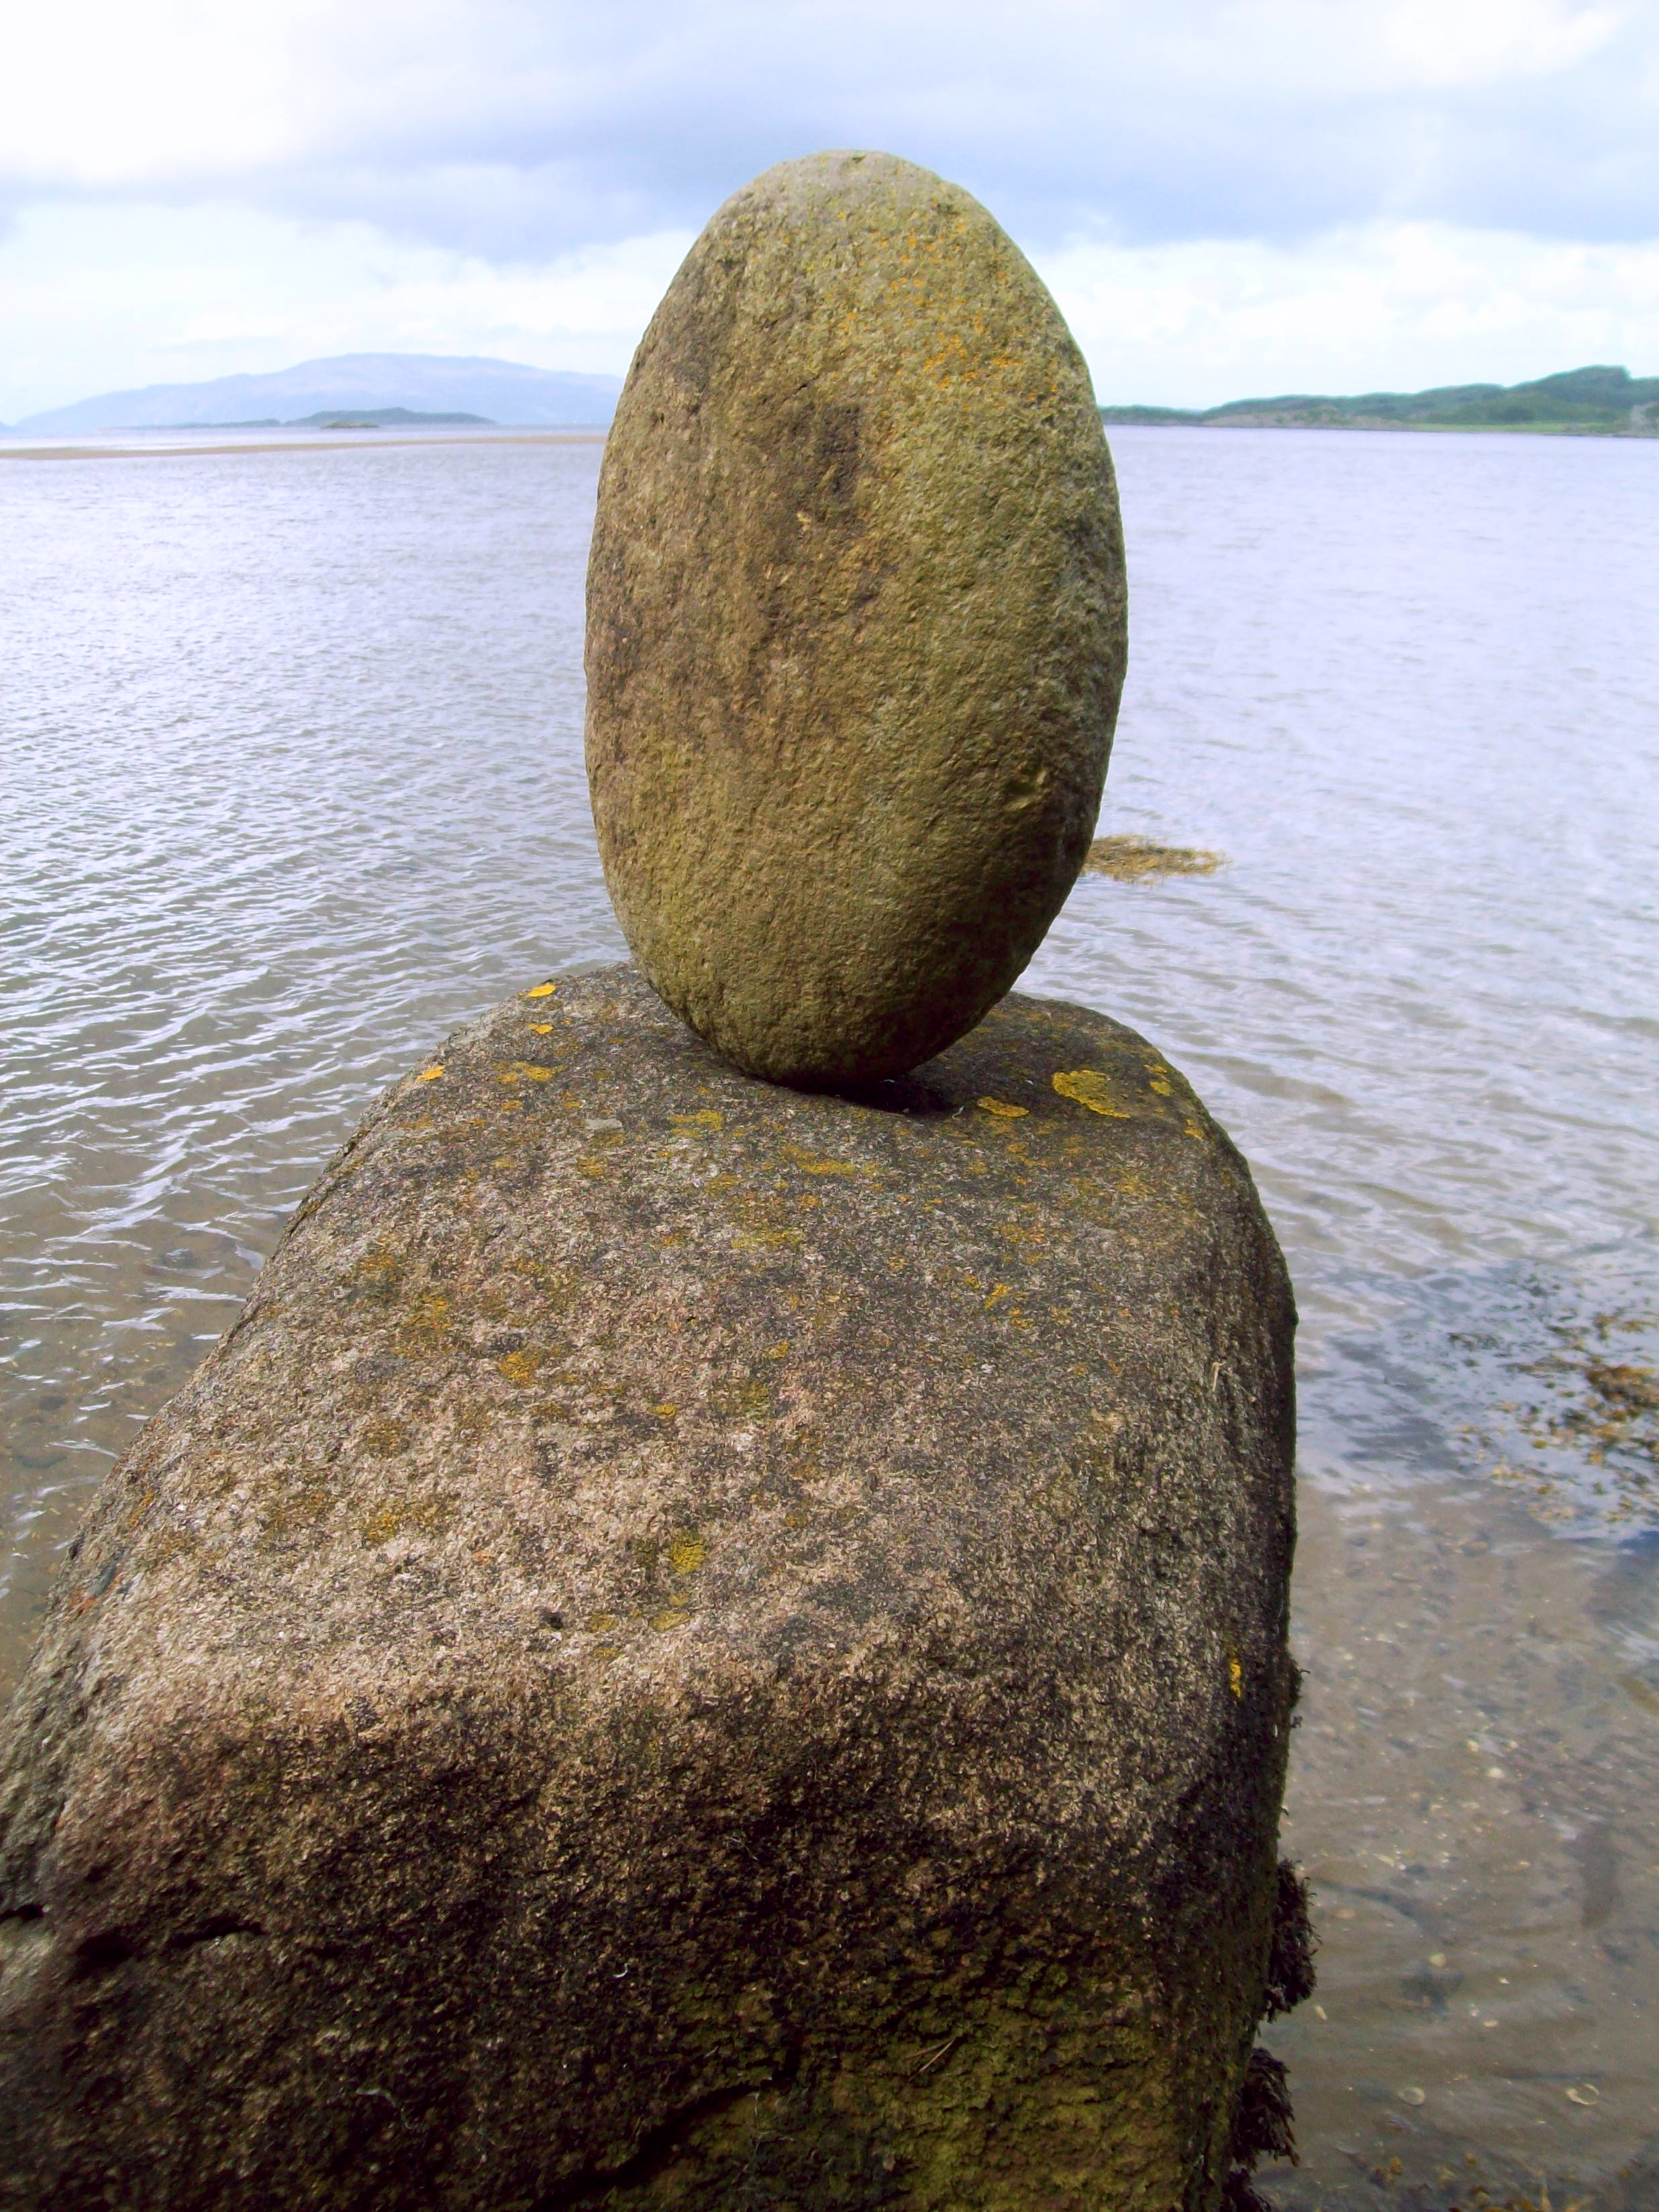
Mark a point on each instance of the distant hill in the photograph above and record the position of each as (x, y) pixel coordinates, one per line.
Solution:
(383, 418)
(1608, 401)
(360, 384)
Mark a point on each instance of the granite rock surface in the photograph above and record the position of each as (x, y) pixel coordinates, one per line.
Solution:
(697, 1645)
(856, 622)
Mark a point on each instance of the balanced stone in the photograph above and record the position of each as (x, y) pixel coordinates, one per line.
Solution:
(855, 623)
(696, 1645)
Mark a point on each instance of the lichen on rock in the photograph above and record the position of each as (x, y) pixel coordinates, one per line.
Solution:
(698, 1644)
(855, 623)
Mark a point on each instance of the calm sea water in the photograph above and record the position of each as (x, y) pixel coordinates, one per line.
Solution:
(293, 782)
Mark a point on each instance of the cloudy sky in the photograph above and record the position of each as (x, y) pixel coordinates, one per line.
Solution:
(1227, 196)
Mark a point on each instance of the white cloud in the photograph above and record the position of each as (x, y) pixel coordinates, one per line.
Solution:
(1383, 306)
(513, 125)
(101, 299)
(1239, 193)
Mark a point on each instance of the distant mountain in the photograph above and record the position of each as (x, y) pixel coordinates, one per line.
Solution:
(1607, 401)
(357, 384)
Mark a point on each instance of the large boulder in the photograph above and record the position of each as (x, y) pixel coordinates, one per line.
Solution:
(855, 623)
(697, 1645)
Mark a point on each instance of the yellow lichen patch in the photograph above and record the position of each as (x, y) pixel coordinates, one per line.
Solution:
(999, 1291)
(425, 1515)
(705, 1118)
(541, 990)
(1235, 1674)
(432, 1316)
(674, 1618)
(524, 1071)
(686, 1554)
(599, 1623)
(430, 1074)
(666, 1410)
(385, 1438)
(811, 1164)
(522, 1366)
(1092, 1087)
(297, 1508)
(540, 1029)
(375, 1275)
(744, 1401)
(765, 1239)
(1003, 1109)
(592, 1169)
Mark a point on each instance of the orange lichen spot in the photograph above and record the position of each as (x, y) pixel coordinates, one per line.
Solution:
(1003, 1109)
(1092, 1087)
(541, 990)
(705, 1118)
(541, 1029)
(430, 1074)
(998, 1291)
(674, 1618)
(522, 1366)
(1235, 1674)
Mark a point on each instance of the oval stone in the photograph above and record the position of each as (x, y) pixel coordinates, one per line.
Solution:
(855, 623)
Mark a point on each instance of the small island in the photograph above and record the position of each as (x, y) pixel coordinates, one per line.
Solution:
(1602, 403)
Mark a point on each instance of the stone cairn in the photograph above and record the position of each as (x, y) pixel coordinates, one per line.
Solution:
(704, 1644)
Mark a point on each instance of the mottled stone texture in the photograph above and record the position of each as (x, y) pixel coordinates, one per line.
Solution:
(855, 626)
(698, 1645)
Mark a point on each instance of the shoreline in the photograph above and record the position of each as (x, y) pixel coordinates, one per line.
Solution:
(1123, 419)
(315, 442)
